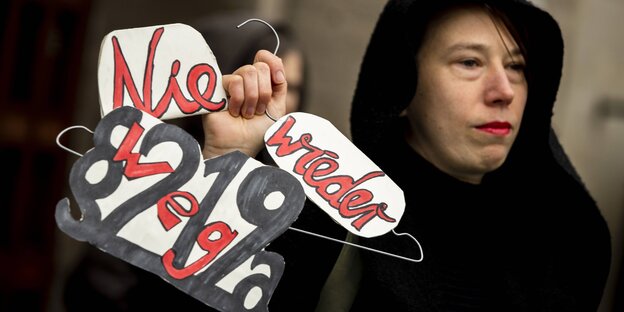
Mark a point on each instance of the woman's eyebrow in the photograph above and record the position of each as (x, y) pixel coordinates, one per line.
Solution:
(478, 47)
(466, 46)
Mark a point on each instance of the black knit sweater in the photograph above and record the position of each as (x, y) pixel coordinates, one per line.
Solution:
(488, 247)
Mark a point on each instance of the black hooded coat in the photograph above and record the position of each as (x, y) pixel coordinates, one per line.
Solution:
(528, 238)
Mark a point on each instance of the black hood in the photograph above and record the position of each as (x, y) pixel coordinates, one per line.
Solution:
(387, 79)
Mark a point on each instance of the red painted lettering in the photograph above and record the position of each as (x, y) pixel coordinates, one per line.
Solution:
(168, 202)
(212, 246)
(133, 168)
(123, 80)
(283, 142)
(316, 164)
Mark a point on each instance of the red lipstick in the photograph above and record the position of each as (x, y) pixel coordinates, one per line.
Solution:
(496, 127)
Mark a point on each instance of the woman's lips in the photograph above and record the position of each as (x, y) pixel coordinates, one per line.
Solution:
(496, 127)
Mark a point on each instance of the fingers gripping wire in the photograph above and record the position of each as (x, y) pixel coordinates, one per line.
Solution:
(266, 112)
(274, 51)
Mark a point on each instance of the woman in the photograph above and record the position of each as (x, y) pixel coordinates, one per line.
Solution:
(503, 225)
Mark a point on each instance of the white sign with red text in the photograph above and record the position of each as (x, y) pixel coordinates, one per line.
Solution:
(335, 174)
(167, 71)
(148, 197)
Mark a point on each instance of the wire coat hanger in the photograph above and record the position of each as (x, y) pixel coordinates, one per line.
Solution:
(292, 228)
(323, 236)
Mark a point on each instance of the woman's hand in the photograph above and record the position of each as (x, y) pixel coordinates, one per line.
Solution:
(252, 90)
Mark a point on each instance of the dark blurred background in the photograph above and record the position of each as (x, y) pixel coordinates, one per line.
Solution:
(48, 65)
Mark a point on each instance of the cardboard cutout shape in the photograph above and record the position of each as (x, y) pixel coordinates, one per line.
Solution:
(167, 71)
(335, 174)
(147, 197)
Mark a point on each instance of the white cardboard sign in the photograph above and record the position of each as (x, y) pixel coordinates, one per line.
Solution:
(167, 71)
(147, 197)
(335, 174)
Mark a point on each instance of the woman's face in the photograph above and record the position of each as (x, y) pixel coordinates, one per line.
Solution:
(470, 96)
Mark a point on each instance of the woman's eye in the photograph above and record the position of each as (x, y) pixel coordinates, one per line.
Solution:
(519, 67)
(469, 63)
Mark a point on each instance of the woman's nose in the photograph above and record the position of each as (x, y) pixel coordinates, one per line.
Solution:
(498, 87)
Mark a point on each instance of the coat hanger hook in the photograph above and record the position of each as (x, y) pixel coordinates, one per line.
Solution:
(58, 139)
(274, 52)
(265, 23)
